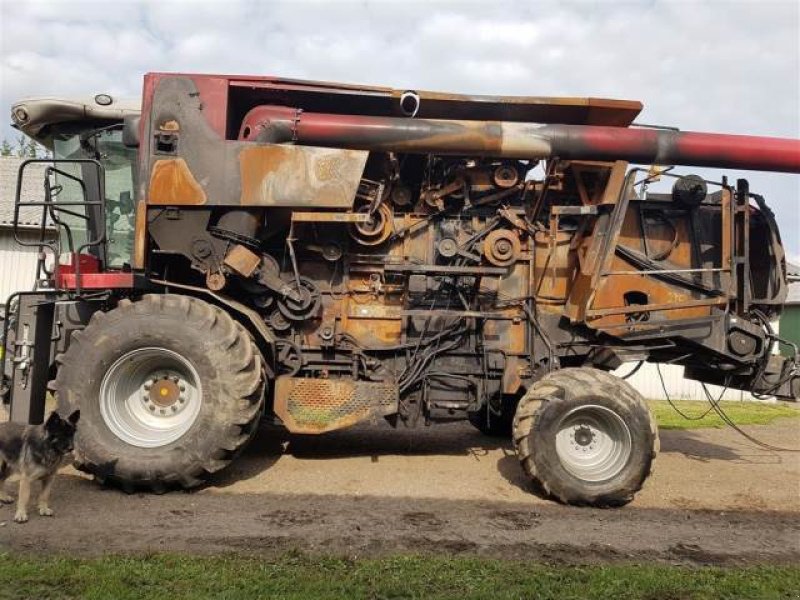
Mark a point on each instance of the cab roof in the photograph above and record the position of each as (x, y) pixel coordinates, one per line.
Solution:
(35, 116)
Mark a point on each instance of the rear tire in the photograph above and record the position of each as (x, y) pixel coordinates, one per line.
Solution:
(170, 389)
(586, 437)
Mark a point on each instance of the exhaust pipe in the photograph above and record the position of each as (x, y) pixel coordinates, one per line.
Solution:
(409, 103)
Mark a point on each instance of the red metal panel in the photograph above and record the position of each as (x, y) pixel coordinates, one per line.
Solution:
(90, 275)
(96, 281)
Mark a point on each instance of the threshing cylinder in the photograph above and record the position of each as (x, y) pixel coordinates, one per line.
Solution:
(278, 124)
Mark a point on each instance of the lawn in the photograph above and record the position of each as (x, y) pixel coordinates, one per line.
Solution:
(299, 576)
(741, 413)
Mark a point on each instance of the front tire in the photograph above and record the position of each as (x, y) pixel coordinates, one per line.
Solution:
(170, 389)
(586, 437)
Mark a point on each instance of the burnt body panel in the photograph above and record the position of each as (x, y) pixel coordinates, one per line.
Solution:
(414, 268)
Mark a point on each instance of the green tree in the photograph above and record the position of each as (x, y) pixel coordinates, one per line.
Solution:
(22, 146)
(6, 149)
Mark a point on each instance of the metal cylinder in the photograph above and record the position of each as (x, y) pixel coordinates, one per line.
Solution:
(278, 124)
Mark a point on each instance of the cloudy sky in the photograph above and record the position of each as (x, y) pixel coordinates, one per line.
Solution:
(721, 65)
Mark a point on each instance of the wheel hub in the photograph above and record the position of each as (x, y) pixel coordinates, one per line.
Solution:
(583, 436)
(164, 392)
(593, 443)
(150, 397)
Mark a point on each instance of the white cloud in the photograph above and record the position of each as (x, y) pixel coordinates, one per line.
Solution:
(730, 66)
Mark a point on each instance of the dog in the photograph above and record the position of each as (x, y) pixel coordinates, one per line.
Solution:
(35, 452)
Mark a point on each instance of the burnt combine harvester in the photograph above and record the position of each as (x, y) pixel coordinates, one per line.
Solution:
(329, 254)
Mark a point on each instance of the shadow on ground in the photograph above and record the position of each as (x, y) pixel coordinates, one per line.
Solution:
(375, 441)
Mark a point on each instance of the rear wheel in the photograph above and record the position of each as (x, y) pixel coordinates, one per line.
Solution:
(586, 437)
(170, 389)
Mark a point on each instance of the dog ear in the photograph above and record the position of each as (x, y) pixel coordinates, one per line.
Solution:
(73, 418)
(52, 422)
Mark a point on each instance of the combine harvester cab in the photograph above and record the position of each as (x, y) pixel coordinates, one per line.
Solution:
(326, 254)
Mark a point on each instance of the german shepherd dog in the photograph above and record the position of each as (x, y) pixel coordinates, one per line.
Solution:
(34, 452)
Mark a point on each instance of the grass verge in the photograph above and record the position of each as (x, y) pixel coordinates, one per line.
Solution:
(742, 413)
(299, 576)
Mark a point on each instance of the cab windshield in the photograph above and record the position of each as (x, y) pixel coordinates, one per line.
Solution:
(105, 145)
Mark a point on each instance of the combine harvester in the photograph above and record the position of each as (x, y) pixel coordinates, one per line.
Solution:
(325, 254)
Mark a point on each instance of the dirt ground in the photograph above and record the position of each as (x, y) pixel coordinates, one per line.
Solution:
(714, 498)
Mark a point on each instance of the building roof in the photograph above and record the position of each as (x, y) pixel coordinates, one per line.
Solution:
(32, 191)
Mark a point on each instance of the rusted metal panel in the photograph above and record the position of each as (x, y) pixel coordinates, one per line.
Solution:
(328, 217)
(140, 236)
(319, 405)
(172, 184)
(298, 176)
(242, 260)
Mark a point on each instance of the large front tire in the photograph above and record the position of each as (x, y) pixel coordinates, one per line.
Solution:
(586, 437)
(170, 389)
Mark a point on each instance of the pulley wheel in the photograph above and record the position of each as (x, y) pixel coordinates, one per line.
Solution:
(376, 229)
(307, 306)
(501, 247)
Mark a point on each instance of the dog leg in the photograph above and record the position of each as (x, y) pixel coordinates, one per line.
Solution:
(22, 500)
(4, 497)
(44, 496)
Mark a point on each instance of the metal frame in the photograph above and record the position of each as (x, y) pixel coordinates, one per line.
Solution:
(51, 208)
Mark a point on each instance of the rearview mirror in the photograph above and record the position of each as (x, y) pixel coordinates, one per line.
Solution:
(130, 131)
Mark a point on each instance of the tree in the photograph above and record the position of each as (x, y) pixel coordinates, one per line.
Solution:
(22, 146)
(26, 148)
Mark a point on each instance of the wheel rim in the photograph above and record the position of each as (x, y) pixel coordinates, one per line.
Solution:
(150, 397)
(593, 443)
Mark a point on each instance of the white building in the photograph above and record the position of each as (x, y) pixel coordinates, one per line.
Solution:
(18, 263)
(648, 382)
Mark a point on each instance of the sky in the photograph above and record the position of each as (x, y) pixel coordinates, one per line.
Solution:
(719, 66)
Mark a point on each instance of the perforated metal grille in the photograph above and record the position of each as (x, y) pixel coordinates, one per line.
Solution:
(317, 405)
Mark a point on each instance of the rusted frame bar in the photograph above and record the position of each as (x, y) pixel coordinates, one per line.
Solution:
(640, 308)
(668, 271)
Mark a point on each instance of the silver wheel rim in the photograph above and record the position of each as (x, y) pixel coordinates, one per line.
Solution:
(593, 443)
(150, 397)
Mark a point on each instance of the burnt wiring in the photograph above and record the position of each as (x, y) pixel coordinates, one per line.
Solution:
(634, 370)
(418, 364)
(715, 406)
(678, 410)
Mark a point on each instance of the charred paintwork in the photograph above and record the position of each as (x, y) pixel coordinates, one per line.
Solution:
(172, 183)
(289, 176)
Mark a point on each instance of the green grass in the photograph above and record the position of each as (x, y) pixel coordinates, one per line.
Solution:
(299, 576)
(741, 413)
